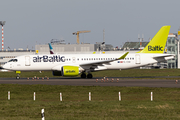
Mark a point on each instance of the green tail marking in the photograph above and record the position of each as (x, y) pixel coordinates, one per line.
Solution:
(157, 44)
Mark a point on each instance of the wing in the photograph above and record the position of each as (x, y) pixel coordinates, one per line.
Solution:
(104, 62)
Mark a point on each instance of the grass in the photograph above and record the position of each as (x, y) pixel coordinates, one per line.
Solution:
(135, 104)
(108, 73)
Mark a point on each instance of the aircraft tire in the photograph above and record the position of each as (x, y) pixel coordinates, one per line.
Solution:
(89, 76)
(83, 75)
(17, 77)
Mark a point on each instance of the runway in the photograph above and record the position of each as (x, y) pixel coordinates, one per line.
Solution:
(123, 82)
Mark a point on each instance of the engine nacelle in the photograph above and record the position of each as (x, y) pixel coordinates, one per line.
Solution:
(70, 71)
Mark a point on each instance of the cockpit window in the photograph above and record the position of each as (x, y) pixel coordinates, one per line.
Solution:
(13, 60)
(10, 60)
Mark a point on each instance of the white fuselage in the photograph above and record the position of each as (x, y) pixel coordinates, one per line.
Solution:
(56, 61)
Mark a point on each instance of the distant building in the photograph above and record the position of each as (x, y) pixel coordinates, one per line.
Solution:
(133, 45)
(172, 48)
(60, 48)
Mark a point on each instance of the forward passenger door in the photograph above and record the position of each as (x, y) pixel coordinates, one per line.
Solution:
(27, 61)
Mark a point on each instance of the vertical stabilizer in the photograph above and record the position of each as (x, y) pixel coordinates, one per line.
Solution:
(51, 49)
(157, 44)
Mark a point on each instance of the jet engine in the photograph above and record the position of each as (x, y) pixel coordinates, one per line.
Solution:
(68, 71)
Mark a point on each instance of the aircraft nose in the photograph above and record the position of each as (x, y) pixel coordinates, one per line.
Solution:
(3, 66)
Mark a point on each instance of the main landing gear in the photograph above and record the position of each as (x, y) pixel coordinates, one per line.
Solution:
(83, 75)
(89, 75)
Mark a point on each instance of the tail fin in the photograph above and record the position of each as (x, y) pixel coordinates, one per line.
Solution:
(51, 49)
(157, 44)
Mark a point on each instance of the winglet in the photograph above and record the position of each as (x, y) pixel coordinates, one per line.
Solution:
(157, 44)
(51, 49)
(123, 56)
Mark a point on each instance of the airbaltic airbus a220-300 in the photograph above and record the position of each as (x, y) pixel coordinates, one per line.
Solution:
(74, 64)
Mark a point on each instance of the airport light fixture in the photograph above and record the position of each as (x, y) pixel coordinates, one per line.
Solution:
(2, 23)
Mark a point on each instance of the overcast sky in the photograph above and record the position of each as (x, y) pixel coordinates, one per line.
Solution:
(31, 22)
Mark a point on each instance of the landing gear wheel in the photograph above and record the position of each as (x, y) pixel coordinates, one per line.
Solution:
(89, 76)
(17, 77)
(83, 75)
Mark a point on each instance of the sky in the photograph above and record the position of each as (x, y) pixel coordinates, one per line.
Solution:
(31, 22)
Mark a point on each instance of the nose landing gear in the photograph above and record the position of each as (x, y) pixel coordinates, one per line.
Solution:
(18, 75)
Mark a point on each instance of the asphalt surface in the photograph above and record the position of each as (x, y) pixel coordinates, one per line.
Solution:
(127, 82)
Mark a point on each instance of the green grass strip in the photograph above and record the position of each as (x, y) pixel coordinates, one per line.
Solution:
(104, 104)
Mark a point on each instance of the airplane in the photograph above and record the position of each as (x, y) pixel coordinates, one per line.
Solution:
(75, 64)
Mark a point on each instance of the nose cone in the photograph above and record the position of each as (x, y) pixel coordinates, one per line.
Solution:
(1, 67)
(4, 66)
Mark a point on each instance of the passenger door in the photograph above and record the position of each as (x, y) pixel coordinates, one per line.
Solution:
(27, 61)
(138, 59)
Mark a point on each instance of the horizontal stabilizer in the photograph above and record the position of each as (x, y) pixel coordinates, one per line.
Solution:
(164, 55)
